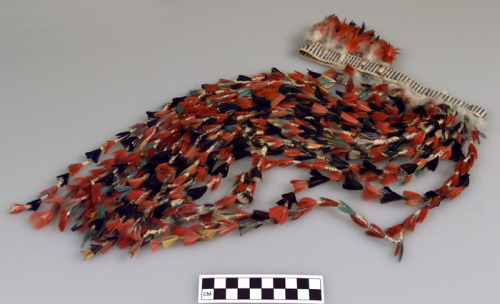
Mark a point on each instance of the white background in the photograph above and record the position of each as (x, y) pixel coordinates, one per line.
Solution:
(73, 73)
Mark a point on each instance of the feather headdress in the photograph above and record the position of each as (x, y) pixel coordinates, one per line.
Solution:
(339, 125)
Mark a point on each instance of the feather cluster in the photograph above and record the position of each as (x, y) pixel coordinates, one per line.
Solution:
(147, 181)
(351, 39)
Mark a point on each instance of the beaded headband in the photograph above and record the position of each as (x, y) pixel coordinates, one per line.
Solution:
(338, 125)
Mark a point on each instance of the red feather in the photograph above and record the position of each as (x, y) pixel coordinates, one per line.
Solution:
(349, 69)
(422, 214)
(155, 245)
(299, 185)
(348, 119)
(319, 109)
(418, 139)
(307, 203)
(40, 219)
(379, 116)
(326, 202)
(375, 231)
(277, 100)
(136, 182)
(63, 219)
(108, 145)
(388, 179)
(360, 221)
(74, 168)
(16, 208)
(279, 213)
(230, 226)
(454, 192)
(370, 192)
(111, 226)
(245, 103)
(226, 201)
(190, 236)
(410, 223)
(394, 230)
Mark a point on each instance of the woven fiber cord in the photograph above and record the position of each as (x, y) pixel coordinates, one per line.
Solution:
(346, 125)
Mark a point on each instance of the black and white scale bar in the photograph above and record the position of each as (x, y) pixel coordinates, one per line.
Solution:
(260, 288)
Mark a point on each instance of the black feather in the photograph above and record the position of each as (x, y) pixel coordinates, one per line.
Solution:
(151, 114)
(289, 198)
(317, 179)
(128, 210)
(130, 142)
(222, 169)
(432, 165)
(158, 211)
(368, 166)
(351, 182)
(313, 74)
(123, 134)
(275, 70)
(161, 157)
(107, 179)
(431, 194)
(255, 174)
(211, 161)
(463, 180)
(239, 143)
(260, 215)
(176, 100)
(319, 95)
(389, 196)
(456, 152)
(409, 168)
(151, 122)
(34, 205)
(261, 102)
(120, 167)
(196, 193)
(94, 155)
(243, 78)
(226, 107)
(153, 184)
(338, 162)
(65, 178)
(97, 224)
(239, 154)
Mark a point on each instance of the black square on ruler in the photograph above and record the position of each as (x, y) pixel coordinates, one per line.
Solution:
(302, 283)
(267, 294)
(207, 283)
(279, 282)
(255, 282)
(232, 283)
(244, 294)
(219, 294)
(291, 294)
(314, 294)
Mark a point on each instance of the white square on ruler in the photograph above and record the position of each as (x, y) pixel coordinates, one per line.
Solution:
(303, 294)
(267, 283)
(231, 294)
(279, 294)
(243, 282)
(290, 283)
(314, 284)
(255, 294)
(220, 283)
